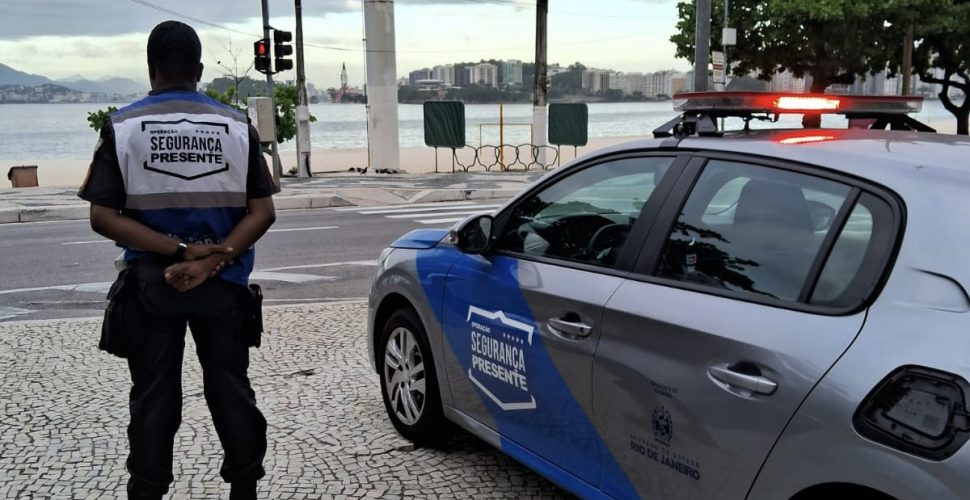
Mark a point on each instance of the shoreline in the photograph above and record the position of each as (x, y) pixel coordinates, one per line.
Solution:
(69, 173)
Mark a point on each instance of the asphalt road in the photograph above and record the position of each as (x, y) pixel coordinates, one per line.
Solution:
(63, 269)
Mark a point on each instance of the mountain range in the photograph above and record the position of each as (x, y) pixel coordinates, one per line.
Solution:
(116, 85)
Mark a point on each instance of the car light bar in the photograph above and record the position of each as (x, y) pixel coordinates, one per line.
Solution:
(737, 103)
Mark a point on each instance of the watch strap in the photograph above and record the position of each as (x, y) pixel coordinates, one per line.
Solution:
(180, 251)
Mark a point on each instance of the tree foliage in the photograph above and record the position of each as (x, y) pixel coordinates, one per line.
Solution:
(285, 98)
(832, 41)
(241, 90)
(97, 119)
(942, 33)
(568, 82)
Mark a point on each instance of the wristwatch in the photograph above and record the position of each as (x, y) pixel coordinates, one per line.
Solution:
(180, 251)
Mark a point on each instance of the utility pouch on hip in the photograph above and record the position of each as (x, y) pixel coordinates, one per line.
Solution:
(120, 315)
(254, 316)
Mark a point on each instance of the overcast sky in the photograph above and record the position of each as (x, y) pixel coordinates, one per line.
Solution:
(103, 38)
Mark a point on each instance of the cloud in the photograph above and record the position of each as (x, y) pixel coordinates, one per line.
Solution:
(24, 19)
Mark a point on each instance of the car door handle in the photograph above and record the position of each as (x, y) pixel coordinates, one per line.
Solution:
(570, 328)
(754, 383)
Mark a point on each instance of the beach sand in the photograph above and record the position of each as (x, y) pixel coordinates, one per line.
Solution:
(70, 173)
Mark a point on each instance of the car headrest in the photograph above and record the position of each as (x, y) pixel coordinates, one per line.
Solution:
(773, 205)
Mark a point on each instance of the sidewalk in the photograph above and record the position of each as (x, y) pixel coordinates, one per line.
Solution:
(63, 409)
(324, 190)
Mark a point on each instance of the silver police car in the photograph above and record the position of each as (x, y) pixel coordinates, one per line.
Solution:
(705, 314)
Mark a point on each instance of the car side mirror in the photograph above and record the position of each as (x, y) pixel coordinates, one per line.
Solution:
(474, 235)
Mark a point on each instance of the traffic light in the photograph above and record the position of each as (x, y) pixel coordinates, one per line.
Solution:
(281, 49)
(261, 51)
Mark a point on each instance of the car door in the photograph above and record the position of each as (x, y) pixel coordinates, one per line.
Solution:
(522, 321)
(721, 332)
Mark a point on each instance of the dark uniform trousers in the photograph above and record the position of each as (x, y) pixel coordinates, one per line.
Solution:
(213, 311)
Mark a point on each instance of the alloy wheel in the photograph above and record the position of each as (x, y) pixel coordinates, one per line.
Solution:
(404, 376)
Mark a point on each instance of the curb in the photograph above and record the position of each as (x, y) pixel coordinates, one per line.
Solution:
(295, 202)
(45, 213)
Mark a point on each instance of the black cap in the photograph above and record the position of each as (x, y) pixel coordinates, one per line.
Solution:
(173, 42)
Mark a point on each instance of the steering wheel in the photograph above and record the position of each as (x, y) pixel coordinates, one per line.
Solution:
(607, 240)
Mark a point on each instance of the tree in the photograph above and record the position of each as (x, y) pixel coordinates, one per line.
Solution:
(241, 89)
(833, 41)
(97, 119)
(232, 71)
(571, 80)
(943, 34)
(285, 97)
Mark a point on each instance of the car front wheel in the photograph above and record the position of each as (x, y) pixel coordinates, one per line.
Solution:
(409, 383)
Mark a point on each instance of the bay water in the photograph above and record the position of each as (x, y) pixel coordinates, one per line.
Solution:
(36, 132)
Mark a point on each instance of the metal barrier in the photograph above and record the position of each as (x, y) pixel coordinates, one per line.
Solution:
(488, 156)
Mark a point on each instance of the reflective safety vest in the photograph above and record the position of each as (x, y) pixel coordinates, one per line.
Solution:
(184, 158)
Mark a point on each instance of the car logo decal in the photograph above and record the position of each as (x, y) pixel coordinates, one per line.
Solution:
(498, 364)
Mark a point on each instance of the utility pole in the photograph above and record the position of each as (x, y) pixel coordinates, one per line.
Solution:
(724, 45)
(277, 167)
(539, 113)
(302, 112)
(702, 44)
(383, 140)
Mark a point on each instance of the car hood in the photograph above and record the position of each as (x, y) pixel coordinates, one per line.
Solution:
(420, 239)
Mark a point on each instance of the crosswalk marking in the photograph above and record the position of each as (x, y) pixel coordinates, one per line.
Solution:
(442, 221)
(427, 213)
(86, 242)
(457, 212)
(414, 205)
(294, 229)
(423, 209)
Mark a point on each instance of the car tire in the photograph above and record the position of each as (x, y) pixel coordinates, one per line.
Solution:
(409, 383)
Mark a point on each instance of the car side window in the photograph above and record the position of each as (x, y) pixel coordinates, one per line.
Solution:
(751, 229)
(858, 257)
(587, 216)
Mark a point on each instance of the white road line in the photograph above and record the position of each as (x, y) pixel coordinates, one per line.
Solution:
(415, 210)
(289, 277)
(418, 216)
(86, 242)
(329, 264)
(102, 287)
(415, 205)
(290, 230)
(441, 221)
(12, 312)
(82, 287)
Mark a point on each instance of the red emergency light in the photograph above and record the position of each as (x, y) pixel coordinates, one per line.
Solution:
(803, 137)
(735, 103)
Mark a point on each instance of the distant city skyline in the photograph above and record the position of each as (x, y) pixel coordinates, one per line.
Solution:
(97, 39)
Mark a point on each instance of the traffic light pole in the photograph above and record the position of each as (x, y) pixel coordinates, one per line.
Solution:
(539, 116)
(302, 112)
(277, 167)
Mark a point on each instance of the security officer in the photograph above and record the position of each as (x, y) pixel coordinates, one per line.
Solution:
(179, 181)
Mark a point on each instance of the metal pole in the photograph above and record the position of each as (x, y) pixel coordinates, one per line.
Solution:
(501, 135)
(724, 46)
(277, 167)
(302, 112)
(702, 44)
(539, 101)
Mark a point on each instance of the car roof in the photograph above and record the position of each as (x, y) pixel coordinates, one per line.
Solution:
(892, 158)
